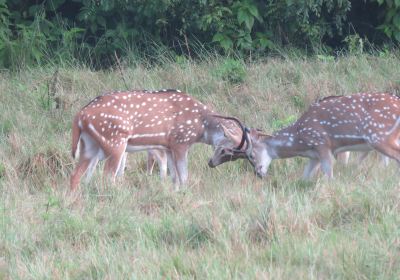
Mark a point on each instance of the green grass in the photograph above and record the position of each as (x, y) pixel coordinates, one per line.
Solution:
(226, 223)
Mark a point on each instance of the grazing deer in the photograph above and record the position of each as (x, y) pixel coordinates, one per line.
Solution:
(167, 120)
(359, 122)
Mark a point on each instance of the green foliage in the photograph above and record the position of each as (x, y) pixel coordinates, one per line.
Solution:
(93, 32)
(232, 71)
(355, 44)
(391, 18)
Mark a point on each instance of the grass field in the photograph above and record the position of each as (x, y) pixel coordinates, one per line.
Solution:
(226, 223)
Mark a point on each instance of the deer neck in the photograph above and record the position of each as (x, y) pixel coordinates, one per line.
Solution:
(286, 143)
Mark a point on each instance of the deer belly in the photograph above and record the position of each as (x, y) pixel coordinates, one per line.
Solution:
(353, 148)
(138, 148)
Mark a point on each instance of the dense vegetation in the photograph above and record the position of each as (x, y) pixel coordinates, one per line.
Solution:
(95, 31)
(226, 223)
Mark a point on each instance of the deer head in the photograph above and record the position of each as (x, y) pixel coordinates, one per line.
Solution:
(231, 147)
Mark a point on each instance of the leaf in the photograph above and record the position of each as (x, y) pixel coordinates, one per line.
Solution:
(224, 41)
(397, 36)
(101, 20)
(218, 37)
(254, 11)
(242, 16)
(249, 22)
(396, 21)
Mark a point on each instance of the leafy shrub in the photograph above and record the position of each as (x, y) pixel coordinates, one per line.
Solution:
(232, 71)
(94, 31)
(391, 18)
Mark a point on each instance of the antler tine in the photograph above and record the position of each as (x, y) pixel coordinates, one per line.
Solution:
(245, 137)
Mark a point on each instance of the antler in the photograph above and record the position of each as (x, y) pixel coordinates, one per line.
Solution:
(245, 137)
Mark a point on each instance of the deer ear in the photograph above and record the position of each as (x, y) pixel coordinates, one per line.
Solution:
(230, 133)
(257, 134)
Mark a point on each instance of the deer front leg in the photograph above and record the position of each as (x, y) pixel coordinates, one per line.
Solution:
(171, 166)
(161, 157)
(182, 166)
(389, 149)
(343, 157)
(326, 159)
(311, 168)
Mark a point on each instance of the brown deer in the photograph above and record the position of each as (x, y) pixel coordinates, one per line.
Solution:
(167, 120)
(359, 122)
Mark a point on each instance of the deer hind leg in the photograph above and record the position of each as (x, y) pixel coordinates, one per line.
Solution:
(114, 161)
(92, 166)
(121, 169)
(311, 168)
(78, 172)
(88, 158)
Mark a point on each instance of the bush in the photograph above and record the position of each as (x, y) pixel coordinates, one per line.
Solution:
(232, 71)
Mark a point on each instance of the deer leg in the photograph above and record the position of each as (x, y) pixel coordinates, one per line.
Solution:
(343, 157)
(181, 165)
(385, 160)
(163, 167)
(91, 168)
(88, 157)
(311, 168)
(113, 162)
(161, 158)
(121, 169)
(78, 172)
(389, 150)
(326, 159)
(150, 162)
(363, 156)
(171, 166)
(162, 163)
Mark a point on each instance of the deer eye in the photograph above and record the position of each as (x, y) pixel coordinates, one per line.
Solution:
(223, 151)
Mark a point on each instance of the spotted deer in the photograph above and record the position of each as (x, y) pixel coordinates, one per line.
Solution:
(359, 122)
(130, 121)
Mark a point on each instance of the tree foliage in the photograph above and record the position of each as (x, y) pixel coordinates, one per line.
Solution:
(96, 30)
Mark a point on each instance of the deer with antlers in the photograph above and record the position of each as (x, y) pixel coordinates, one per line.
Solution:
(167, 120)
(359, 122)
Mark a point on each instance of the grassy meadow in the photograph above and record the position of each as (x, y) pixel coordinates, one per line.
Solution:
(226, 223)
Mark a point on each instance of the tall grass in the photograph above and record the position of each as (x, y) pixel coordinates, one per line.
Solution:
(225, 223)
